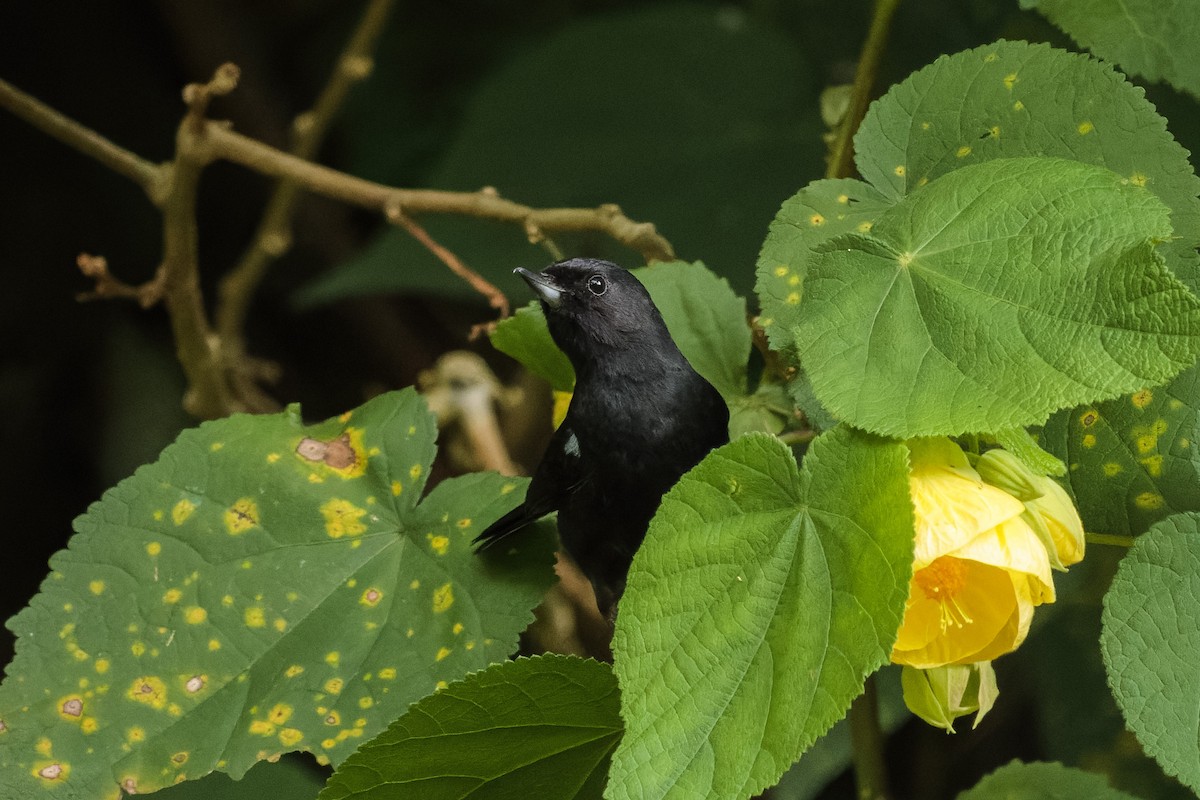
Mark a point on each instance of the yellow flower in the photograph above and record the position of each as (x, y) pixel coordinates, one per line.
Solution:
(1055, 510)
(979, 568)
(562, 401)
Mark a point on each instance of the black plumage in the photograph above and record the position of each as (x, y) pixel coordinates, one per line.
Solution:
(639, 418)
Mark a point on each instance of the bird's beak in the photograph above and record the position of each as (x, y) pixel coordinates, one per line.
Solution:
(543, 285)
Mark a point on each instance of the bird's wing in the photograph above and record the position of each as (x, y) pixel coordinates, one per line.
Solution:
(559, 474)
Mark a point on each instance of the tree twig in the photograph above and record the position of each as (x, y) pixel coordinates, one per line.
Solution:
(496, 298)
(214, 372)
(841, 154)
(79, 137)
(108, 285)
(223, 143)
(274, 236)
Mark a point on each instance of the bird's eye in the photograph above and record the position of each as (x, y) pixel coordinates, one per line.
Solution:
(597, 285)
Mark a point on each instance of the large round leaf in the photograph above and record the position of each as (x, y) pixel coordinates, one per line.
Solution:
(1001, 292)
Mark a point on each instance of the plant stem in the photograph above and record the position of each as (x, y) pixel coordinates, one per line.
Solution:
(841, 154)
(1109, 538)
(147, 175)
(485, 204)
(866, 739)
(274, 235)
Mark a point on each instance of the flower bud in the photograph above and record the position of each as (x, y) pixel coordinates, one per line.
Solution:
(941, 695)
(1005, 471)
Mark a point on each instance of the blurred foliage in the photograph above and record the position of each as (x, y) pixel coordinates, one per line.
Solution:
(86, 392)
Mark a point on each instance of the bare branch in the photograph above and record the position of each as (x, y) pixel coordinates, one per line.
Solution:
(485, 204)
(85, 140)
(274, 235)
(108, 285)
(496, 298)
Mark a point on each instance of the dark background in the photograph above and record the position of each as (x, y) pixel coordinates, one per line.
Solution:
(701, 117)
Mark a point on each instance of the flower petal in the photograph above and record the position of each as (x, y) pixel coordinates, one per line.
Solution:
(988, 599)
(951, 510)
(1059, 514)
(1012, 545)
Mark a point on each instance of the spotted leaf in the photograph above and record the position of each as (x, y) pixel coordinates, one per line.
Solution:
(816, 214)
(1135, 460)
(541, 727)
(1015, 99)
(996, 295)
(264, 587)
(1003, 101)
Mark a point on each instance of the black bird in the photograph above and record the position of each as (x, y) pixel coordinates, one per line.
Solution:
(639, 418)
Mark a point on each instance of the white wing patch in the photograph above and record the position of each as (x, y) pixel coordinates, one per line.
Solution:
(571, 446)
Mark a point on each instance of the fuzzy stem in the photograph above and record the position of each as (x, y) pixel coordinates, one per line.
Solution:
(841, 154)
(866, 738)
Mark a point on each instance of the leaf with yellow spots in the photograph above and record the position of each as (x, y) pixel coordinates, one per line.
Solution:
(1151, 644)
(176, 644)
(1135, 460)
(998, 294)
(548, 721)
(845, 206)
(1034, 94)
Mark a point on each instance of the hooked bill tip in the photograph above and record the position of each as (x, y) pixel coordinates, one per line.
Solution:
(542, 285)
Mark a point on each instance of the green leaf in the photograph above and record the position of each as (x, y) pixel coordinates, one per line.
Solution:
(1042, 781)
(1151, 644)
(1155, 40)
(1003, 100)
(706, 319)
(817, 213)
(525, 337)
(1010, 99)
(762, 597)
(767, 410)
(1135, 460)
(265, 586)
(541, 727)
(291, 778)
(1024, 446)
(996, 295)
(619, 130)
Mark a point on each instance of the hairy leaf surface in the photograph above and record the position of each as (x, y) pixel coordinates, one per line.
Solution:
(265, 586)
(542, 727)
(1151, 643)
(1001, 292)
(762, 597)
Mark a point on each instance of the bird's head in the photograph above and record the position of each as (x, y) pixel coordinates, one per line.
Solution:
(594, 305)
